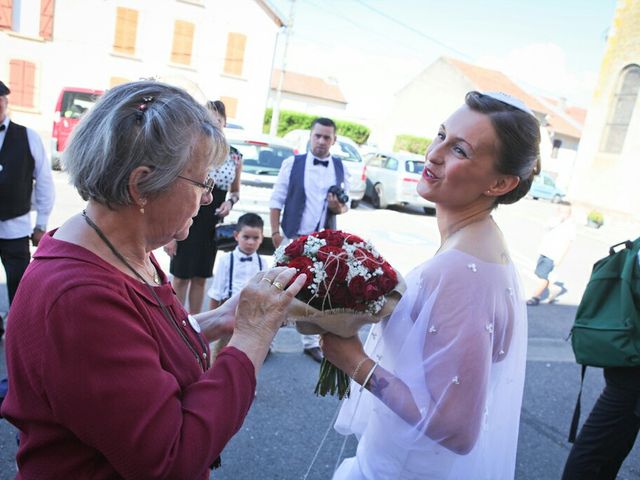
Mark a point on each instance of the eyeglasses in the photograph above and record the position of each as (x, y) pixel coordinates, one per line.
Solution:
(206, 187)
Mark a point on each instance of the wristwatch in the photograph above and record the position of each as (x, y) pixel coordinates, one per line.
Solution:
(41, 228)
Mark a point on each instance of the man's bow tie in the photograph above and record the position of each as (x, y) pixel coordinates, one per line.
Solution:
(246, 259)
(324, 163)
(2, 127)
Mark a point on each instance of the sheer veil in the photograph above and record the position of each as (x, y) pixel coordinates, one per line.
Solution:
(457, 340)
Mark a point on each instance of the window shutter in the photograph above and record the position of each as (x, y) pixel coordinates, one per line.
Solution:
(126, 31)
(234, 59)
(6, 12)
(621, 110)
(22, 76)
(231, 106)
(115, 81)
(46, 19)
(182, 42)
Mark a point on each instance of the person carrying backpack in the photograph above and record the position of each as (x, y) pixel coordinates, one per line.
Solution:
(607, 334)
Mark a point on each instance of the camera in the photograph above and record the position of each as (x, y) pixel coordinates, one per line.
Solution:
(339, 193)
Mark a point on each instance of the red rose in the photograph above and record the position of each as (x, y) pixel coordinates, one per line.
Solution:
(371, 290)
(367, 259)
(302, 265)
(295, 248)
(339, 296)
(334, 238)
(353, 239)
(330, 252)
(356, 287)
(336, 270)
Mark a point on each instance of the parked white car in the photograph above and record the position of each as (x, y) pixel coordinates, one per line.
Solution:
(392, 179)
(347, 150)
(262, 156)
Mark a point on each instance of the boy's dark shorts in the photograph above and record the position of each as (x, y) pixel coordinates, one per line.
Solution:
(544, 267)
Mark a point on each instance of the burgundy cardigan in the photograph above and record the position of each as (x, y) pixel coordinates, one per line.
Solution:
(101, 386)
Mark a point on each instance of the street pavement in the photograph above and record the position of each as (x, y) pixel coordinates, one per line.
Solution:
(288, 433)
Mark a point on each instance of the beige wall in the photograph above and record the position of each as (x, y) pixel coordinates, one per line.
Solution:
(81, 52)
(603, 180)
(422, 105)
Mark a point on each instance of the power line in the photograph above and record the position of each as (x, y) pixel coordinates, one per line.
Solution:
(414, 30)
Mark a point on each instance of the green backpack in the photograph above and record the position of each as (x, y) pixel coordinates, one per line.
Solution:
(606, 330)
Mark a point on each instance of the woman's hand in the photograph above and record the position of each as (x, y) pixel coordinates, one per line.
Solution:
(220, 321)
(171, 248)
(344, 353)
(224, 209)
(262, 310)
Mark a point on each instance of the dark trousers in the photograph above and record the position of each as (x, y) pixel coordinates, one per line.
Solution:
(15, 259)
(610, 431)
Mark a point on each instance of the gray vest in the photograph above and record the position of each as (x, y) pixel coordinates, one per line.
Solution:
(296, 198)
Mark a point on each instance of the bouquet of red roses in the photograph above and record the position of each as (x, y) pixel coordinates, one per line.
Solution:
(348, 284)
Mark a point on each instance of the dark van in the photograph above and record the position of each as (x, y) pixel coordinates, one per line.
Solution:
(72, 104)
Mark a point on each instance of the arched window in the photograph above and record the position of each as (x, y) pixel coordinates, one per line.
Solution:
(621, 110)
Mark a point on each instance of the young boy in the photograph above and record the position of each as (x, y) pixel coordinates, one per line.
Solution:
(556, 242)
(235, 268)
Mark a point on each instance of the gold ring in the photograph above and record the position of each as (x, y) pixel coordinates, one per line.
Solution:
(266, 280)
(278, 285)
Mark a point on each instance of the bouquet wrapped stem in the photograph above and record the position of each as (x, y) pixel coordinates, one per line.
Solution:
(332, 380)
(348, 285)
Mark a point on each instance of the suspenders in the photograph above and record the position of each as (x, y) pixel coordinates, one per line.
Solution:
(231, 272)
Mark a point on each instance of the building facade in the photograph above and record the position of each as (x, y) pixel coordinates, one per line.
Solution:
(608, 160)
(218, 49)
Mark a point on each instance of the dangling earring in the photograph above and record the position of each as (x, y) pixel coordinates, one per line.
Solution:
(142, 203)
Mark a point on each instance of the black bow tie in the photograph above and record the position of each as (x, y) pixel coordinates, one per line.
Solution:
(2, 127)
(324, 163)
(246, 259)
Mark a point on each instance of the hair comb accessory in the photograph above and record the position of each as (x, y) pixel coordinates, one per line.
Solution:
(142, 107)
(510, 100)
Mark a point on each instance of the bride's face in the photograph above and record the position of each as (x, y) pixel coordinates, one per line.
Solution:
(460, 163)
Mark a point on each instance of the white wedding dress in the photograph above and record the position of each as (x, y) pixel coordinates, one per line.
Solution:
(458, 341)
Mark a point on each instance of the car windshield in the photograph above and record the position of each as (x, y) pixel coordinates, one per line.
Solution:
(346, 152)
(74, 104)
(414, 166)
(262, 159)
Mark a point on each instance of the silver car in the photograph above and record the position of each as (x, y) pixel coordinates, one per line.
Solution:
(392, 179)
(262, 156)
(347, 150)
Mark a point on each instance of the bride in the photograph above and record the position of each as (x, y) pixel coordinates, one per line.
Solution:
(437, 388)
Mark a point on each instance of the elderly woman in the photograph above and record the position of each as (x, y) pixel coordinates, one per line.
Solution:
(109, 375)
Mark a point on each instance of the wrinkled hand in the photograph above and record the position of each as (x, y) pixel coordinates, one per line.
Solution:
(262, 307)
(171, 248)
(344, 353)
(224, 209)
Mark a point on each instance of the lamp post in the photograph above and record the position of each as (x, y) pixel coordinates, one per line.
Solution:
(275, 114)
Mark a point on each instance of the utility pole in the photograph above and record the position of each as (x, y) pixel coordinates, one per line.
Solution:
(275, 115)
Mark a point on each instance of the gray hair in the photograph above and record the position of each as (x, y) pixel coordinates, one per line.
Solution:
(143, 123)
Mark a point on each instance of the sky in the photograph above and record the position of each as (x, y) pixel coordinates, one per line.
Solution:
(372, 48)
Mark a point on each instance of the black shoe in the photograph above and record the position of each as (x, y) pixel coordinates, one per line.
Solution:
(315, 353)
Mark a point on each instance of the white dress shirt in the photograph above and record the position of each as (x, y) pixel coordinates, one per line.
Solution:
(242, 273)
(317, 180)
(43, 192)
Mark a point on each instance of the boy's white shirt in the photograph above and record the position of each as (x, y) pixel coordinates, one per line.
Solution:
(242, 273)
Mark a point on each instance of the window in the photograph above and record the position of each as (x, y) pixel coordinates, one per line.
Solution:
(392, 164)
(46, 19)
(6, 13)
(126, 31)
(234, 59)
(621, 110)
(231, 106)
(22, 76)
(115, 81)
(182, 42)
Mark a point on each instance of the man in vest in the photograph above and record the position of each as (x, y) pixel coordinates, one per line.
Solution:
(23, 162)
(301, 194)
